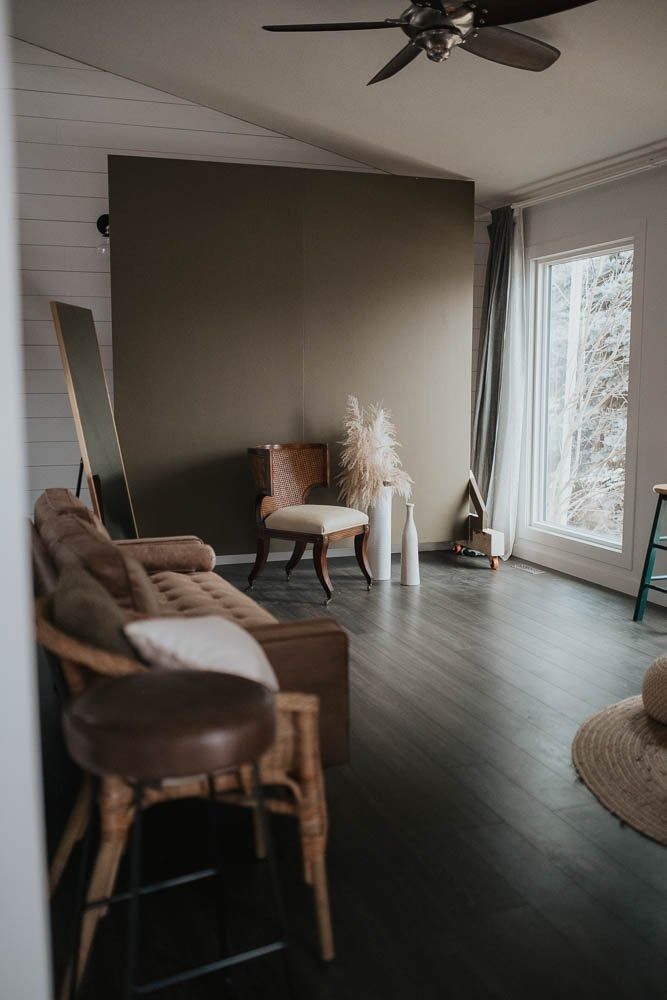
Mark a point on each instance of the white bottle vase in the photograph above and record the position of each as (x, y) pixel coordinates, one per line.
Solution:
(410, 550)
(379, 538)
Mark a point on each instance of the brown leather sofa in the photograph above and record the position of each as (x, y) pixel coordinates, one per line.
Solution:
(175, 576)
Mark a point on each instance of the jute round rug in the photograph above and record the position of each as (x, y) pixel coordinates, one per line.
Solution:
(621, 755)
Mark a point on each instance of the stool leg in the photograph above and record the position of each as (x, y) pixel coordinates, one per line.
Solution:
(649, 562)
(86, 850)
(77, 824)
(135, 880)
(101, 884)
(262, 817)
(218, 864)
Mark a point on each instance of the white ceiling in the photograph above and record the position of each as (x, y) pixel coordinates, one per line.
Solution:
(504, 128)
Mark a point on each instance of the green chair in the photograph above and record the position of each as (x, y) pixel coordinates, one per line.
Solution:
(656, 541)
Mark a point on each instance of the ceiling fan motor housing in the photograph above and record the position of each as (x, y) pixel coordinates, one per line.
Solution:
(435, 31)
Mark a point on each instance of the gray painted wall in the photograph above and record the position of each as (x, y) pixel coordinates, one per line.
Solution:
(248, 301)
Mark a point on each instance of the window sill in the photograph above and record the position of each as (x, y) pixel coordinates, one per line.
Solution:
(577, 546)
(578, 537)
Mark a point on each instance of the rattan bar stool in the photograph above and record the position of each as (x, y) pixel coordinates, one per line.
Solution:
(156, 726)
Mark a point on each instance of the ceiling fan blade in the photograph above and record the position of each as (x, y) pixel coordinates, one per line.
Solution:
(340, 26)
(399, 62)
(511, 11)
(512, 49)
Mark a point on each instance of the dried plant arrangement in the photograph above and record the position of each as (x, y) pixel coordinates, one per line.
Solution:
(369, 458)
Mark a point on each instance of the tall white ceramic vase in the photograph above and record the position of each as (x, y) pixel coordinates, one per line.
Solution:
(379, 537)
(410, 549)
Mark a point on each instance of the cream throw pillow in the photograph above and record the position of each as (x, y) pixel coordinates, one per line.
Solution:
(206, 643)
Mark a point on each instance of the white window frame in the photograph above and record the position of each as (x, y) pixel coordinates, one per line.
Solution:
(563, 540)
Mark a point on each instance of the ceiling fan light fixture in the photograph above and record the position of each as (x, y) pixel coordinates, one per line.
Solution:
(438, 43)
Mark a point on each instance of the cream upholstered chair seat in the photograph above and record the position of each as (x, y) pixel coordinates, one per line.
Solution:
(315, 519)
(285, 474)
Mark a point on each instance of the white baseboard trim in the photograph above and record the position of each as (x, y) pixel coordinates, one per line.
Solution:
(342, 551)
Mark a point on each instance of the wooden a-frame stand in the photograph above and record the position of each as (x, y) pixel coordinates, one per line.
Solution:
(481, 538)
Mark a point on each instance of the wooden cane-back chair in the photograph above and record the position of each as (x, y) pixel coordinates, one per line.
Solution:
(285, 475)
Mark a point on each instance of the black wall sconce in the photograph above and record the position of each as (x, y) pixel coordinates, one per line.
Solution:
(103, 228)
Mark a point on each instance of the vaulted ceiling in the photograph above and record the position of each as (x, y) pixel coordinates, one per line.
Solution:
(504, 128)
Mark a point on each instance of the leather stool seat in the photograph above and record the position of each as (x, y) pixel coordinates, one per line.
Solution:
(169, 724)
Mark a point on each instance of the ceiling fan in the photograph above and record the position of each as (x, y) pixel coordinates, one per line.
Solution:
(438, 26)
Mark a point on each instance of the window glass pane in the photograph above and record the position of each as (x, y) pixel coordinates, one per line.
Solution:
(585, 409)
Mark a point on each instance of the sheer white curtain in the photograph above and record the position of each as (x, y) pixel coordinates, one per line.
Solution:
(503, 499)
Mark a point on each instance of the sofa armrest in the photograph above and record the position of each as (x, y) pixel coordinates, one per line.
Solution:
(312, 657)
(178, 554)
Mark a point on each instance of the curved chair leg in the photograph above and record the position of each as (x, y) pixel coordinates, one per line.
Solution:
(295, 558)
(263, 546)
(321, 568)
(361, 552)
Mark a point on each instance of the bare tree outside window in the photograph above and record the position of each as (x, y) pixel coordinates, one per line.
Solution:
(588, 302)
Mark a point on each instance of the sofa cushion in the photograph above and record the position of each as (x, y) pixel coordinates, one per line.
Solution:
(70, 539)
(44, 574)
(73, 541)
(208, 643)
(315, 519)
(140, 594)
(55, 501)
(207, 594)
(83, 608)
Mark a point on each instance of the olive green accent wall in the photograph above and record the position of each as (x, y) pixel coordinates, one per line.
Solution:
(248, 301)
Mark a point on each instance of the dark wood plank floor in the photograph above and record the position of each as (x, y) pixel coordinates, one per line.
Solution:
(465, 859)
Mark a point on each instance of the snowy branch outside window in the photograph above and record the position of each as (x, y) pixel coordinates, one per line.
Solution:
(586, 354)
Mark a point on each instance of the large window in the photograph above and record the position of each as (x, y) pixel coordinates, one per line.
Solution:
(583, 366)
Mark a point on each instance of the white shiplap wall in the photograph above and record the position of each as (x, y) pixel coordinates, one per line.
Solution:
(69, 117)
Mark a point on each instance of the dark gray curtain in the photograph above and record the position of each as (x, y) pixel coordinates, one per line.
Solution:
(492, 342)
